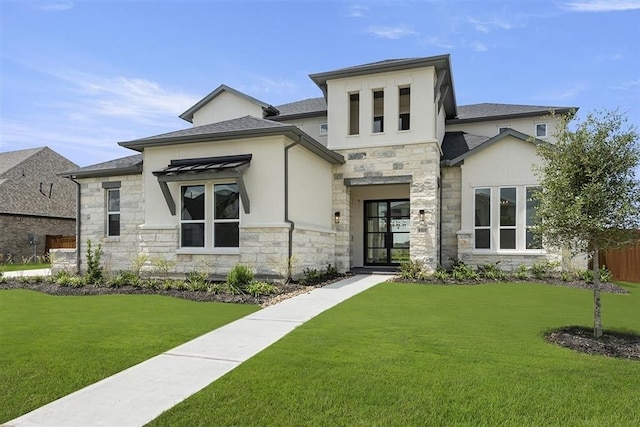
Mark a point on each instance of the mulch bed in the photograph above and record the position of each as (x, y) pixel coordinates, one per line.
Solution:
(610, 344)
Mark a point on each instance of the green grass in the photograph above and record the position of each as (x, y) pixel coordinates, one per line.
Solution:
(403, 354)
(52, 345)
(28, 266)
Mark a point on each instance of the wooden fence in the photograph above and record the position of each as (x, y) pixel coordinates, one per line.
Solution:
(624, 263)
(59, 242)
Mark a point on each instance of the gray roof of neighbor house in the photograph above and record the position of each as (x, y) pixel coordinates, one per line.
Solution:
(244, 127)
(442, 63)
(30, 185)
(188, 115)
(130, 165)
(492, 111)
(457, 146)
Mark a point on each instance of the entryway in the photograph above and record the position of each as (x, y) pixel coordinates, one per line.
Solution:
(387, 228)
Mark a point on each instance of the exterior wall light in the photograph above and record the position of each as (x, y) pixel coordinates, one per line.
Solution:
(336, 218)
(421, 212)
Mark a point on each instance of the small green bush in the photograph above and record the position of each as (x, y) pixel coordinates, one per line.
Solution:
(491, 271)
(441, 274)
(463, 272)
(412, 270)
(261, 288)
(311, 276)
(239, 277)
(543, 269)
(564, 276)
(197, 281)
(123, 278)
(522, 272)
(331, 272)
(94, 269)
(217, 288)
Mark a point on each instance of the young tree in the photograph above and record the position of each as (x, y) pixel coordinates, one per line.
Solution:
(590, 195)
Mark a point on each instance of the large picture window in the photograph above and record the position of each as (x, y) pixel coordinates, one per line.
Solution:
(504, 218)
(210, 216)
(113, 212)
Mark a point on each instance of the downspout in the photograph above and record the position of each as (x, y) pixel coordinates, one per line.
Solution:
(78, 223)
(292, 224)
(440, 219)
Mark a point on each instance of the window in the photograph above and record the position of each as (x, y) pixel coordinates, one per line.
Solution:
(214, 226)
(354, 114)
(226, 219)
(482, 210)
(508, 205)
(324, 129)
(404, 108)
(504, 218)
(532, 240)
(113, 212)
(192, 223)
(378, 111)
(541, 130)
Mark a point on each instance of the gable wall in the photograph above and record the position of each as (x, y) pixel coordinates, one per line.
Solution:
(310, 126)
(490, 128)
(225, 106)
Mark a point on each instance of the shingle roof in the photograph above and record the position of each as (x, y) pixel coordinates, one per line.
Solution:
(456, 144)
(120, 166)
(492, 111)
(30, 185)
(305, 107)
(11, 159)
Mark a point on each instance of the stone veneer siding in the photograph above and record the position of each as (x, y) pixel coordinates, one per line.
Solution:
(451, 187)
(422, 163)
(14, 244)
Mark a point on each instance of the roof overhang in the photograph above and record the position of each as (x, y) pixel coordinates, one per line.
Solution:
(442, 64)
(559, 111)
(96, 173)
(291, 132)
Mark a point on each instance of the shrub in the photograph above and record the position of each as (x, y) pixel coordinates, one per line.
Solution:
(239, 277)
(331, 272)
(197, 281)
(564, 276)
(521, 272)
(138, 262)
(217, 288)
(412, 270)
(543, 269)
(605, 274)
(311, 276)
(261, 288)
(162, 266)
(585, 275)
(441, 274)
(491, 271)
(123, 278)
(94, 269)
(462, 272)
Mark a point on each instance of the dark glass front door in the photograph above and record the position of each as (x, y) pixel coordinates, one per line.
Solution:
(386, 231)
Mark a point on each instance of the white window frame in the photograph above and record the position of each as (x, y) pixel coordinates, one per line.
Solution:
(353, 121)
(323, 129)
(546, 130)
(402, 112)
(373, 112)
(495, 225)
(507, 227)
(110, 212)
(209, 220)
(215, 220)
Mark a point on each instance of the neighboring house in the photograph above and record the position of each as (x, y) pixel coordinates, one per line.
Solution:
(383, 168)
(34, 202)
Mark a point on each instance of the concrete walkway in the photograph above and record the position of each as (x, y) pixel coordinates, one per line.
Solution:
(141, 393)
(28, 273)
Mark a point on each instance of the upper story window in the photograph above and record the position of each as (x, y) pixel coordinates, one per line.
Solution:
(113, 212)
(324, 129)
(541, 130)
(404, 108)
(378, 111)
(354, 113)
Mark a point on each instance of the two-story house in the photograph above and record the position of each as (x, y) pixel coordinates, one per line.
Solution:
(383, 168)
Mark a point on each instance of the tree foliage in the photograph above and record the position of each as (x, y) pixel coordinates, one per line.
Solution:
(590, 195)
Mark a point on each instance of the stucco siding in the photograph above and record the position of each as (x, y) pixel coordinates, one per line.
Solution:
(225, 106)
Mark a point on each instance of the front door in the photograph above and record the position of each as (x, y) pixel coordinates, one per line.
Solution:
(386, 231)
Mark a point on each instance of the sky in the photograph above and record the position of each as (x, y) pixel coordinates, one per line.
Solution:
(79, 76)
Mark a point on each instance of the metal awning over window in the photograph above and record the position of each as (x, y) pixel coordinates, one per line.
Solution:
(206, 168)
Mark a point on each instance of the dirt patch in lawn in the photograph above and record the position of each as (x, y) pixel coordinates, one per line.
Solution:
(611, 344)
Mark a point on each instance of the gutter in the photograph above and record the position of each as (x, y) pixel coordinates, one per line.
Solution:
(292, 225)
(78, 224)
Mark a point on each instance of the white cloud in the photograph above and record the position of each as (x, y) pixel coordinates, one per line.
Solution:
(632, 84)
(602, 5)
(357, 11)
(612, 57)
(486, 26)
(479, 46)
(439, 42)
(56, 5)
(392, 33)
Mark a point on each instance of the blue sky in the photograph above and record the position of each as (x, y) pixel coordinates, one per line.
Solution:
(79, 75)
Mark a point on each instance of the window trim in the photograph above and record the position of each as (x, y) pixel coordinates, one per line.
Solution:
(323, 129)
(526, 217)
(483, 227)
(110, 212)
(209, 219)
(508, 227)
(373, 111)
(402, 112)
(353, 124)
(546, 130)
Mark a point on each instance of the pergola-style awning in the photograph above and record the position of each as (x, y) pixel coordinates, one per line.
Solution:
(206, 168)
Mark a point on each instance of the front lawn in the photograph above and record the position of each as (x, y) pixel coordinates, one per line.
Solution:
(51, 346)
(406, 354)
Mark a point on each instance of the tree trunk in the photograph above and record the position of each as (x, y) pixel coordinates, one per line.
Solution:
(597, 308)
